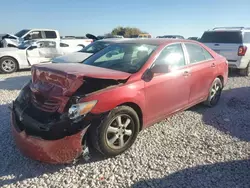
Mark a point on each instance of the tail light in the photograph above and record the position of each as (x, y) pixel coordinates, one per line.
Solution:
(242, 50)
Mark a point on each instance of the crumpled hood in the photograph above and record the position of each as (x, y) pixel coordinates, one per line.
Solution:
(75, 57)
(64, 79)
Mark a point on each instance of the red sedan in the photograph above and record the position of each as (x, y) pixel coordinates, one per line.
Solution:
(112, 95)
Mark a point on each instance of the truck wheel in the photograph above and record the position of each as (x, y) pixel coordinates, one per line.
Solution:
(8, 65)
(117, 132)
(246, 71)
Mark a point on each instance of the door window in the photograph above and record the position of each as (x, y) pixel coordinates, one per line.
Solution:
(35, 35)
(172, 55)
(197, 53)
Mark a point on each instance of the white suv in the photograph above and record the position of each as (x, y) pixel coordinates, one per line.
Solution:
(232, 43)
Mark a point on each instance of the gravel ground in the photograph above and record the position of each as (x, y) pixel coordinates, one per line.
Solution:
(199, 147)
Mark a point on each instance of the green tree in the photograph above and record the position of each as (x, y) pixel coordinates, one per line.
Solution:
(126, 31)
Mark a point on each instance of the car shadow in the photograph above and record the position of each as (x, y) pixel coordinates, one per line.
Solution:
(14, 166)
(14, 83)
(219, 175)
(230, 115)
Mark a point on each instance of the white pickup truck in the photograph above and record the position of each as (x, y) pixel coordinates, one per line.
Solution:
(25, 35)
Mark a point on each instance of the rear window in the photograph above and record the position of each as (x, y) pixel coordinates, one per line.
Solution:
(222, 37)
(50, 34)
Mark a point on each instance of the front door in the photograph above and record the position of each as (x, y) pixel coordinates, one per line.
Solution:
(32, 55)
(168, 92)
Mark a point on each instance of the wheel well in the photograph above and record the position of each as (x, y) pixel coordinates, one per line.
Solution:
(137, 109)
(12, 58)
(221, 79)
(81, 45)
(11, 45)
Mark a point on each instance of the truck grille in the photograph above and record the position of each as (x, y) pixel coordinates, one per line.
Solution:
(47, 105)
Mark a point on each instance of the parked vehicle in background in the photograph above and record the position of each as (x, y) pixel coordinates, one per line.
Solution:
(100, 37)
(84, 53)
(193, 38)
(111, 96)
(24, 35)
(144, 35)
(31, 53)
(171, 36)
(232, 43)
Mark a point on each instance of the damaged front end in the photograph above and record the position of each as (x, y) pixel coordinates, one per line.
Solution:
(48, 122)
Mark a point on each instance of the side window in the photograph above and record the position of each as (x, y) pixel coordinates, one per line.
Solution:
(172, 55)
(247, 37)
(64, 45)
(36, 35)
(197, 53)
(33, 35)
(208, 56)
(46, 44)
(50, 34)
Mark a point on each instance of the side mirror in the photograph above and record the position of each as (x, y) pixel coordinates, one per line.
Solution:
(160, 68)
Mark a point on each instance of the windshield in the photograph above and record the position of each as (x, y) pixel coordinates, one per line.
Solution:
(222, 37)
(122, 57)
(22, 32)
(95, 47)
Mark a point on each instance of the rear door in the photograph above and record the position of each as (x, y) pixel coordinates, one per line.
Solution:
(202, 68)
(225, 43)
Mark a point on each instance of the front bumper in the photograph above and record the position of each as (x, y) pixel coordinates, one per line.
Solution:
(63, 150)
(58, 142)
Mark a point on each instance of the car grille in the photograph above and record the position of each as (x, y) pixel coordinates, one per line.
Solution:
(47, 105)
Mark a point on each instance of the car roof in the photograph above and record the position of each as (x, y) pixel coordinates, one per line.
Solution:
(225, 29)
(152, 41)
(113, 39)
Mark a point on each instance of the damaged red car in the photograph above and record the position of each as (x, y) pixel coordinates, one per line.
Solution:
(111, 96)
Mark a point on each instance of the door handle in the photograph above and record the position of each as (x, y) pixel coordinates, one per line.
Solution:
(213, 65)
(186, 73)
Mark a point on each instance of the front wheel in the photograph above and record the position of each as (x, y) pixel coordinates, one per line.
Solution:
(214, 93)
(8, 65)
(117, 132)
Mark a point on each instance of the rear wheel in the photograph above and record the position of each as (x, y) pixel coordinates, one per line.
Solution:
(8, 65)
(246, 71)
(117, 132)
(214, 93)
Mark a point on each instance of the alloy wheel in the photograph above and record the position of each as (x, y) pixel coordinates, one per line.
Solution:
(119, 131)
(8, 65)
(215, 92)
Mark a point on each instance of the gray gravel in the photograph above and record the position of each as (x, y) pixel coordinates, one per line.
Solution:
(199, 147)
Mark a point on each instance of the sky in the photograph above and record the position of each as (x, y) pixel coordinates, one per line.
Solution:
(158, 17)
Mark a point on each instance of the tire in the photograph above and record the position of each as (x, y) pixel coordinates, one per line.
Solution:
(246, 71)
(8, 65)
(103, 134)
(213, 98)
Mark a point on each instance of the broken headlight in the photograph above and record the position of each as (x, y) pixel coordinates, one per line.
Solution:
(81, 109)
